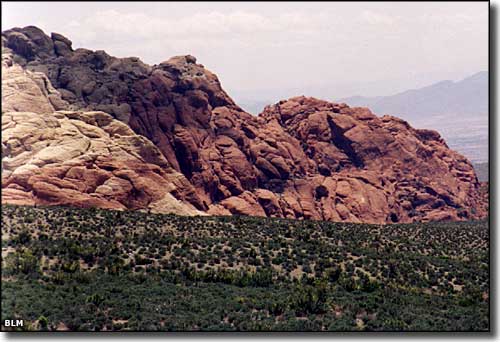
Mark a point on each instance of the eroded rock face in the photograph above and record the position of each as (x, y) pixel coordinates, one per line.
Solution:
(79, 158)
(86, 159)
(378, 168)
(302, 158)
(23, 90)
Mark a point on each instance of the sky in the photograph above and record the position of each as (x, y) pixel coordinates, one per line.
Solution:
(268, 51)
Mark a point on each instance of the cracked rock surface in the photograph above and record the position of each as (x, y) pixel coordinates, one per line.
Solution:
(170, 131)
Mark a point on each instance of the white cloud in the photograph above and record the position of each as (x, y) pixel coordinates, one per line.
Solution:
(157, 37)
(376, 18)
(449, 19)
(112, 22)
(279, 44)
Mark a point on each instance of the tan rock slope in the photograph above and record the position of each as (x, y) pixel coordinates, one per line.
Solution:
(302, 158)
(78, 158)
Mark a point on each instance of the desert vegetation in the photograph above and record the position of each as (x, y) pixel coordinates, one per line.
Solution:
(93, 269)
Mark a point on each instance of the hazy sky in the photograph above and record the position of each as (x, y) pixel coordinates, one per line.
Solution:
(275, 49)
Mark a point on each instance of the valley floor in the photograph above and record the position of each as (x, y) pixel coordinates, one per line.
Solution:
(91, 269)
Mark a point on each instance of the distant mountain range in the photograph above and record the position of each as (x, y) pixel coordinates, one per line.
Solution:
(466, 97)
(482, 171)
(458, 110)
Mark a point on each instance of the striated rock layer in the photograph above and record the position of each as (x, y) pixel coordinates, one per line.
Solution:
(79, 158)
(302, 158)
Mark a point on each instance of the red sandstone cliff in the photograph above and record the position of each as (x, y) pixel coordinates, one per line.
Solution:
(302, 158)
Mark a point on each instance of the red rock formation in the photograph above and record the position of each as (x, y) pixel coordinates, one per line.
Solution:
(302, 158)
(380, 166)
(87, 159)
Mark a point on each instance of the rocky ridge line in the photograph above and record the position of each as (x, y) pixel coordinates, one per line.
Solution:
(302, 158)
